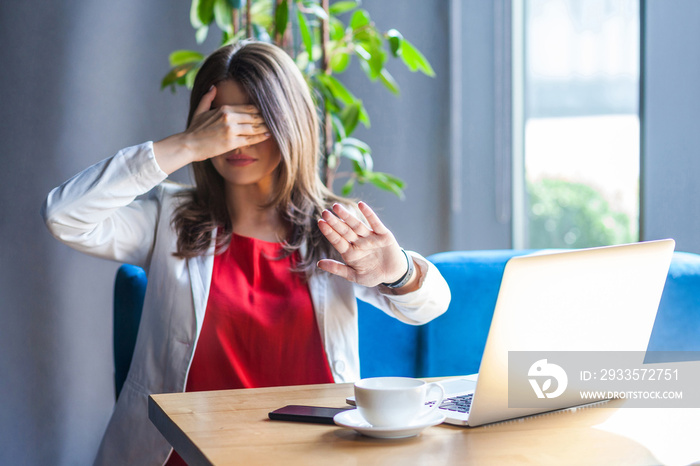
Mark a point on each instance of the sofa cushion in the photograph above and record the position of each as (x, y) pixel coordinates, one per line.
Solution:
(454, 342)
(677, 324)
(388, 347)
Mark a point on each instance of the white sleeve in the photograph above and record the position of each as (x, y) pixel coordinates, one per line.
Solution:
(429, 301)
(97, 211)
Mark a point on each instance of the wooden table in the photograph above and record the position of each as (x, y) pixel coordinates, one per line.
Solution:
(232, 427)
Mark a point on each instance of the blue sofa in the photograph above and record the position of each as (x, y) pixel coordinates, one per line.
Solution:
(453, 343)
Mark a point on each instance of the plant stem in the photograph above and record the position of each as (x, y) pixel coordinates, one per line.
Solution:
(234, 20)
(248, 18)
(325, 38)
(327, 123)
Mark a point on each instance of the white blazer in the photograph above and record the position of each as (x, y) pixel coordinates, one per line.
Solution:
(120, 209)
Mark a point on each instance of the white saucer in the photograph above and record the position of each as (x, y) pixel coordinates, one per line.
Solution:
(352, 419)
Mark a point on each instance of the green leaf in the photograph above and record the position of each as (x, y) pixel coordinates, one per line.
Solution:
(332, 161)
(376, 62)
(317, 11)
(302, 61)
(281, 17)
(180, 57)
(262, 13)
(236, 4)
(305, 33)
(371, 61)
(352, 153)
(389, 82)
(359, 19)
(337, 88)
(226, 38)
(201, 13)
(395, 180)
(359, 171)
(190, 76)
(201, 34)
(194, 14)
(362, 146)
(369, 163)
(364, 117)
(362, 52)
(340, 61)
(347, 187)
(415, 60)
(386, 182)
(222, 15)
(338, 127)
(177, 73)
(338, 8)
(350, 116)
(336, 29)
(260, 33)
(395, 39)
(320, 83)
(362, 163)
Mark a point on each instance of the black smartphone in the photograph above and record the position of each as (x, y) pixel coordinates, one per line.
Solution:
(315, 414)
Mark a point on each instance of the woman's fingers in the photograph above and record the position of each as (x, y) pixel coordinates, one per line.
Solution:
(348, 227)
(252, 139)
(340, 226)
(242, 114)
(226, 128)
(253, 129)
(336, 268)
(372, 218)
(249, 109)
(359, 228)
(337, 241)
(204, 104)
(253, 119)
(371, 254)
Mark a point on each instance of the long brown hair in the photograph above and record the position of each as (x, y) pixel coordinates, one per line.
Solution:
(276, 87)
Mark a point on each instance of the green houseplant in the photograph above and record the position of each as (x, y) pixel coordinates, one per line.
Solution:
(565, 214)
(323, 45)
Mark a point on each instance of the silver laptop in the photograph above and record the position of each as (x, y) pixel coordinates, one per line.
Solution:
(599, 299)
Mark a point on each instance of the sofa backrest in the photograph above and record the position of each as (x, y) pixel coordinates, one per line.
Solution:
(388, 347)
(453, 343)
(129, 291)
(677, 324)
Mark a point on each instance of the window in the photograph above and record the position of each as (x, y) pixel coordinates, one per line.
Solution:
(579, 88)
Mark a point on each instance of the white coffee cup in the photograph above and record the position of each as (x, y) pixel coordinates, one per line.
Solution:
(395, 401)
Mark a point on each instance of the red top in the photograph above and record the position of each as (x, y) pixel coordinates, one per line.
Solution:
(260, 329)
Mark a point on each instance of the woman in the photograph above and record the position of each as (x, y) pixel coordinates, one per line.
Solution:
(253, 274)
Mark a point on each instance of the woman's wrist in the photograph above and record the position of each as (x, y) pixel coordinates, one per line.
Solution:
(406, 277)
(412, 283)
(171, 153)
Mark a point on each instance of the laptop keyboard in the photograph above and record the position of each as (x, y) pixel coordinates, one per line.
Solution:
(460, 404)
